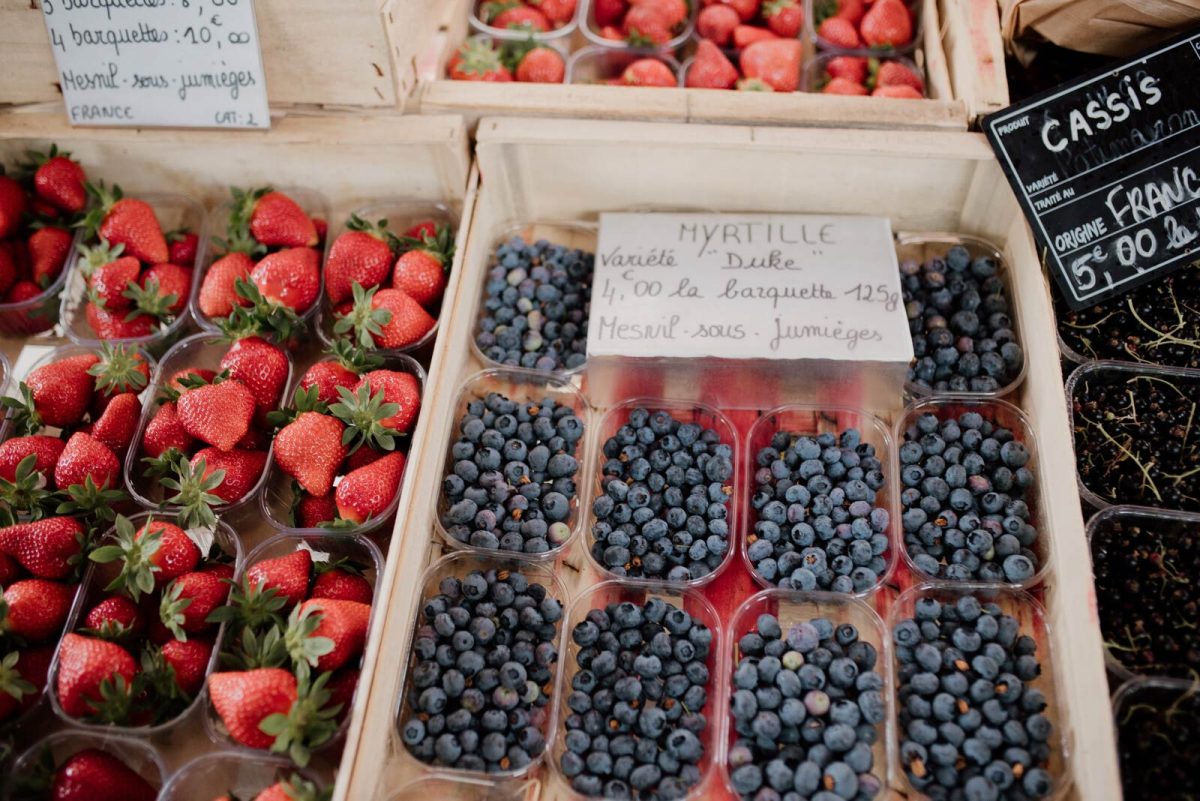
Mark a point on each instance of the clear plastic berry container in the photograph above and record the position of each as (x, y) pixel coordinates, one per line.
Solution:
(704, 416)
(138, 755)
(353, 548)
(562, 32)
(815, 74)
(197, 351)
(241, 774)
(459, 565)
(1033, 622)
(800, 607)
(601, 64)
(314, 205)
(96, 576)
(1166, 523)
(1007, 416)
(695, 604)
(924, 246)
(1164, 698)
(587, 23)
(39, 313)
(523, 386)
(401, 214)
(174, 212)
(466, 789)
(811, 26)
(278, 497)
(805, 420)
(568, 234)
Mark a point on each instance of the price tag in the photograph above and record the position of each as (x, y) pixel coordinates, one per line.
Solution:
(186, 63)
(747, 286)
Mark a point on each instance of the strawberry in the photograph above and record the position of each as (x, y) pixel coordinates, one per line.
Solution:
(176, 553)
(361, 458)
(13, 205)
(94, 676)
(402, 389)
(844, 86)
(289, 277)
(608, 12)
(256, 439)
(62, 389)
(888, 23)
(645, 26)
(109, 280)
(422, 229)
(895, 73)
(29, 318)
(244, 700)
(776, 62)
(114, 326)
(368, 491)
(275, 220)
(189, 662)
(746, 9)
(117, 425)
(647, 72)
(183, 246)
(326, 376)
(129, 222)
(746, 35)
(218, 414)
(386, 318)
(218, 294)
(421, 270)
(60, 181)
(294, 788)
(477, 60)
(852, 68)
(341, 689)
(35, 609)
(288, 575)
(10, 571)
(716, 23)
(674, 12)
(343, 622)
(9, 271)
(165, 432)
(363, 254)
(189, 600)
(45, 450)
(852, 10)
(47, 548)
(84, 458)
(342, 585)
(263, 368)
(183, 379)
(710, 69)
(902, 91)
(559, 12)
(840, 33)
(165, 290)
(784, 17)
(313, 510)
(242, 470)
(113, 618)
(541, 65)
(96, 775)
(309, 449)
(22, 678)
(521, 18)
(48, 251)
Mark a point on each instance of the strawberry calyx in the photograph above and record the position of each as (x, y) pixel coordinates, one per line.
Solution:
(237, 231)
(477, 56)
(440, 245)
(261, 317)
(171, 608)
(23, 414)
(754, 85)
(12, 683)
(194, 492)
(297, 789)
(38, 777)
(110, 630)
(304, 649)
(376, 229)
(95, 256)
(305, 400)
(191, 380)
(252, 605)
(103, 199)
(149, 300)
(366, 322)
(115, 702)
(363, 413)
(158, 675)
(134, 553)
(354, 358)
(254, 651)
(494, 8)
(89, 501)
(119, 369)
(27, 493)
(310, 723)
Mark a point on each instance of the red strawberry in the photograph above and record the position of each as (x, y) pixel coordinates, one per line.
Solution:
(202, 374)
(888, 23)
(903, 92)
(746, 35)
(541, 65)
(132, 223)
(110, 279)
(363, 254)
(342, 585)
(10, 273)
(746, 9)
(390, 318)
(852, 68)
(84, 664)
(648, 72)
(608, 12)
(313, 510)
(189, 660)
(242, 470)
(477, 60)
(521, 18)
(35, 609)
(361, 458)
(189, 600)
(844, 86)
(559, 12)
(22, 681)
(422, 229)
(368, 491)
(341, 690)
(421, 270)
(47, 548)
(776, 62)
(87, 457)
(221, 570)
(852, 10)
(62, 389)
(839, 32)
(290, 277)
(255, 440)
(895, 73)
(218, 414)
(322, 228)
(46, 451)
(716, 23)
(60, 181)
(276, 220)
(183, 246)
(710, 68)
(113, 326)
(96, 775)
(309, 449)
(48, 251)
(218, 294)
(117, 425)
(400, 388)
(288, 575)
(13, 205)
(343, 622)
(114, 618)
(10, 571)
(784, 17)
(261, 367)
(171, 283)
(176, 553)
(326, 376)
(675, 12)
(245, 699)
(293, 788)
(645, 25)
(165, 432)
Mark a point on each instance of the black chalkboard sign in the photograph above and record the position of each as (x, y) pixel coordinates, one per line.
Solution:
(1107, 169)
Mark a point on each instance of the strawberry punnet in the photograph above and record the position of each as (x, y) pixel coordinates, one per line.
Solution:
(126, 221)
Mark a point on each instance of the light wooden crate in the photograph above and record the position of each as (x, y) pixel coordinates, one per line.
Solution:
(350, 159)
(960, 40)
(546, 170)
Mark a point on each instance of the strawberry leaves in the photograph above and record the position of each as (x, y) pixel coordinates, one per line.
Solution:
(194, 492)
(136, 577)
(310, 723)
(365, 321)
(363, 413)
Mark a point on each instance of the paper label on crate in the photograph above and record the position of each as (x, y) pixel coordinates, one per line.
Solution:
(747, 286)
(1107, 171)
(174, 63)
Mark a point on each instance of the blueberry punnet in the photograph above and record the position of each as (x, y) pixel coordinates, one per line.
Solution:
(482, 673)
(958, 314)
(966, 486)
(663, 507)
(807, 706)
(972, 724)
(635, 707)
(535, 313)
(818, 524)
(513, 474)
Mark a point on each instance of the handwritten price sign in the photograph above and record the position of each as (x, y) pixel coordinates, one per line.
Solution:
(747, 286)
(188, 63)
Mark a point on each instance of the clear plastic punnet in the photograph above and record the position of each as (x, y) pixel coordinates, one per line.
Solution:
(602, 64)
(244, 775)
(814, 75)
(802, 420)
(1150, 713)
(811, 25)
(138, 755)
(40, 313)
(560, 33)
(466, 789)
(587, 23)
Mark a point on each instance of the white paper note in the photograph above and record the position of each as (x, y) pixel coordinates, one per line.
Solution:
(187, 63)
(747, 286)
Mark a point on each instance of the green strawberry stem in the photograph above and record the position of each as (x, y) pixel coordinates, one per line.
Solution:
(94, 504)
(311, 722)
(137, 572)
(119, 369)
(303, 648)
(363, 413)
(194, 492)
(27, 493)
(364, 321)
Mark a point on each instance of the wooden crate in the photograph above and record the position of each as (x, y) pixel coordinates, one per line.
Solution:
(423, 40)
(571, 170)
(350, 159)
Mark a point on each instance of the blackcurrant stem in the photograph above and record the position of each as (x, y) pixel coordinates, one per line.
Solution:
(1145, 469)
(1163, 336)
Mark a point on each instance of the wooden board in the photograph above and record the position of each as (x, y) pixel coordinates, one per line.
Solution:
(975, 54)
(547, 170)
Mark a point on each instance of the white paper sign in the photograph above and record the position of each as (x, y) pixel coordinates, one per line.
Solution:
(747, 286)
(188, 63)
